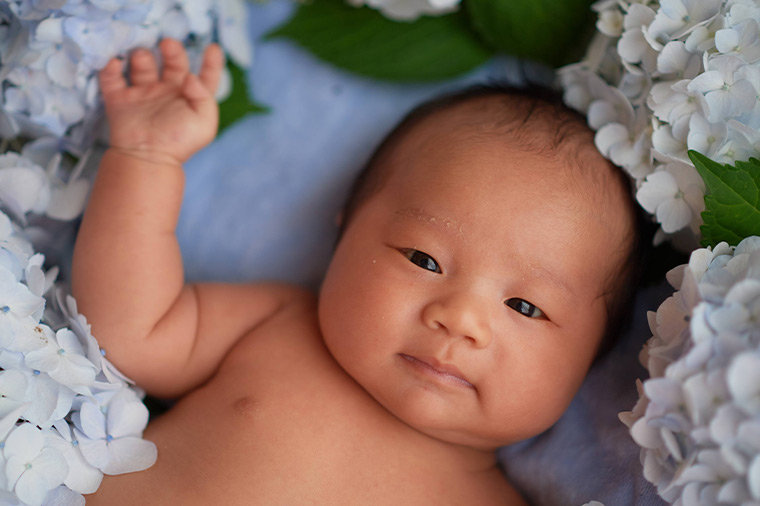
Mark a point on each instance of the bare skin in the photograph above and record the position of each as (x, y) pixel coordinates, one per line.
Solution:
(438, 335)
(281, 423)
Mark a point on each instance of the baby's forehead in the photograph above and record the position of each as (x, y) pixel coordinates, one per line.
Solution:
(514, 123)
(539, 126)
(566, 162)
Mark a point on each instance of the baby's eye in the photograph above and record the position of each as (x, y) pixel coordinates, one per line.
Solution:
(525, 308)
(421, 259)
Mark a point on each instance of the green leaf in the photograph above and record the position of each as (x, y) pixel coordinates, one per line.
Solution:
(550, 31)
(364, 41)
(732, 203)
(238, 103)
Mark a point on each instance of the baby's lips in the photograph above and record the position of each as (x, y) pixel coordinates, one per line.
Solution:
(439, 367)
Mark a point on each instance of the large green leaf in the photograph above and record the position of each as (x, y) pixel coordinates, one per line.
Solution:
(550, 31)
(363, 41)
(732, 203)
(238, 103)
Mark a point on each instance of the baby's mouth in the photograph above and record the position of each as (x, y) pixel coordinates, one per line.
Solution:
(442, 372)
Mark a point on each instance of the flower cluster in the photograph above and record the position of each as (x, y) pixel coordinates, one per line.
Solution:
(51, 50)
(698, 418)
(662, 78)
(58, 190)
(409, 10)
(66, 414)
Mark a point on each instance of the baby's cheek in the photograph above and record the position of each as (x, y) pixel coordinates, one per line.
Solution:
(540, 388)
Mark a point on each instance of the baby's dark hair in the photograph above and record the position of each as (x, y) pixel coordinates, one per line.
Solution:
(523, 111)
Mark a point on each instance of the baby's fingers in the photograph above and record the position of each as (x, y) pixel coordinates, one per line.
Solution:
(211, 68)
(142, 68)
(176, 64)
(112, 79)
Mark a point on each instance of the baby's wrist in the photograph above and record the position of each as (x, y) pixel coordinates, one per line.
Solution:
(151, 157)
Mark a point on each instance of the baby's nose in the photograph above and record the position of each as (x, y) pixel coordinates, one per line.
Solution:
(460, 314)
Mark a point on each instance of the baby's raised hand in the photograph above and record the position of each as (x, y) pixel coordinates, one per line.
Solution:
(166, 117)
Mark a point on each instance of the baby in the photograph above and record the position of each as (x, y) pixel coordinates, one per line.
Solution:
(480, 256)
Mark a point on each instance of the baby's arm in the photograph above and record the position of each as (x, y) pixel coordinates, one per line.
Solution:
(127, 268)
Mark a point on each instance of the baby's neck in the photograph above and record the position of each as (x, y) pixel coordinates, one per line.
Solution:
(456, 457)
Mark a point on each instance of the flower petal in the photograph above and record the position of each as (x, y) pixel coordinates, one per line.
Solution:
(130, 454)
(127, 418)
(25, 442)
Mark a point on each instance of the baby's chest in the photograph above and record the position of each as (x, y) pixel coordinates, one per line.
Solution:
(281, 423)
(284, 430)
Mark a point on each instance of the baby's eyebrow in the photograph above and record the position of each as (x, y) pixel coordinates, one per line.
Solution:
(549, 276)
(419, 214)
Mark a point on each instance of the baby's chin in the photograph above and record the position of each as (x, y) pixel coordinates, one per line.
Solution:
(474, 432)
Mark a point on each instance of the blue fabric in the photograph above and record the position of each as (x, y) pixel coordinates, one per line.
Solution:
(261, 203)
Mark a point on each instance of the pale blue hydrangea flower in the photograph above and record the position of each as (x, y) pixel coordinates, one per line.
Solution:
(698, 418)
(82, 477)
(32, 469)
(14, 250)
(25, 187)
(13, 388)
(233, 34)
(52, 50)
(63, 360)
(110, 434)
(17, 304)
(39, 281)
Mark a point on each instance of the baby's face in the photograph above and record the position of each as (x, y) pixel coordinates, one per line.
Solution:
(466, 295)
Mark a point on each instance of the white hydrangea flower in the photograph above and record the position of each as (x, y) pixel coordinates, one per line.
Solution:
(675, 194)
(704, 136)
(610, 22)
(688, 71)
(740, 40)
(727, 93)
(676, 62)
(672, 101)
(633, 47)
(628, 144)
(409, 10)
(676, 18)
(751, 116)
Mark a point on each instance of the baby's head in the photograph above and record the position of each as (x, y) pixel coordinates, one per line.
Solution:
(486, 251)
